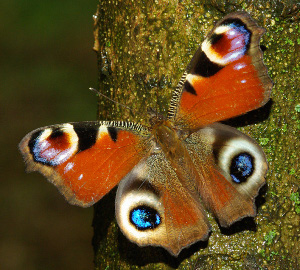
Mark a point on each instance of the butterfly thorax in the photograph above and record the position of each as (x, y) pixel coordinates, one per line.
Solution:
(166, 137)
(172, 146)
(155, 118)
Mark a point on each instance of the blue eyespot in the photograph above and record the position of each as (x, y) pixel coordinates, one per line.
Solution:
(242, 28)
(241, 168)
(144, 218)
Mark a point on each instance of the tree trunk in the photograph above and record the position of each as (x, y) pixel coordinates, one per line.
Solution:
(143, 48)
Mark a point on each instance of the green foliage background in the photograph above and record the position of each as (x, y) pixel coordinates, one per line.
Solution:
(46, 67)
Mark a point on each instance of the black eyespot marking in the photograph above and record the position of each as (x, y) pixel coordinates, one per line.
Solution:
(242, 166)
(113, 133)
(215, 38)
(237, 22)
(87, 136)
(32, 145)
(204, 67)
(57, 132)
(189, 88)
(144, 218)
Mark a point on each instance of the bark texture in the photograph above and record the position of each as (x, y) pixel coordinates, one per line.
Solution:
(143, 48)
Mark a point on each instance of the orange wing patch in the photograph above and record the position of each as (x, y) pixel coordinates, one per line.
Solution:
(232, 91)
(86, 160)
(94, 172)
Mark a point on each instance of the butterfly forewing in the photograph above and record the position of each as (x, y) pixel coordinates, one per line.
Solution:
(225, 78)
(85, 160)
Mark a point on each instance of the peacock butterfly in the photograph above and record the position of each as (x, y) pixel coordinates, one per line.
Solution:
(169, 172)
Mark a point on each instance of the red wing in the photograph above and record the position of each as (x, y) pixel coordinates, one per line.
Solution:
(225, 78)
(85, 160)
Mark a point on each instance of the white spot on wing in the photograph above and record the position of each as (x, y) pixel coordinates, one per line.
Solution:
(233, 56)
(102, 131)
(192, 78)
(222, 29)
(69, 167)
(68, 128)
(211, 54)
(46, 133)
(63, 156)
(232, 32)
(239, 66)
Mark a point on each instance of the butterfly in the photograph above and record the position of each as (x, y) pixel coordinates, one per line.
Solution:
(170, 173)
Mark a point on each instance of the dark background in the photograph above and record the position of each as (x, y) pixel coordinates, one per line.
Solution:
(46, 68)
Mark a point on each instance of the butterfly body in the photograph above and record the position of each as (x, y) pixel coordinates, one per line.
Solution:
(170, 172)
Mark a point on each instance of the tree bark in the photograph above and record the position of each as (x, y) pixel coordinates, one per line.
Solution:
(143, 48)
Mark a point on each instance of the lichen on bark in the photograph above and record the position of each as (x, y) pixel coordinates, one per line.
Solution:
(143, 48)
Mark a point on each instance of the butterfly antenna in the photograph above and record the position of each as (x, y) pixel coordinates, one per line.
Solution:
(100, 94)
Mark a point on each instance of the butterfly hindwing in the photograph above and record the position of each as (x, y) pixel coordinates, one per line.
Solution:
(232, 169)
(154, 208)
(85, 160)
(226, 76)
